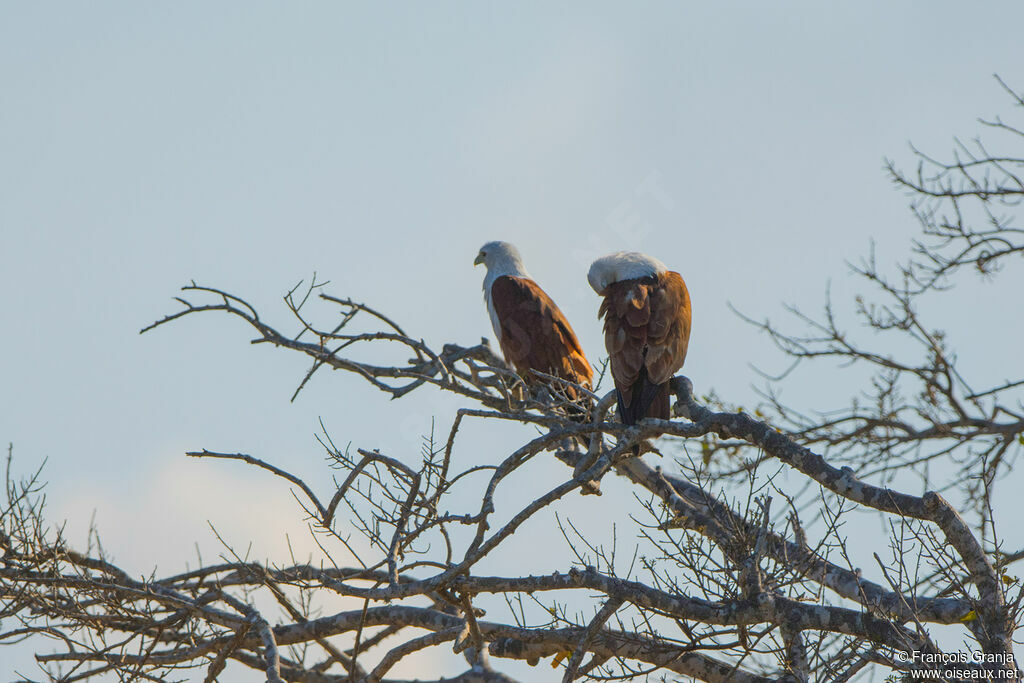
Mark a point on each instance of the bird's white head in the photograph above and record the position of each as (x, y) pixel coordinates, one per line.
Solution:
(622, 265)
(501, 258)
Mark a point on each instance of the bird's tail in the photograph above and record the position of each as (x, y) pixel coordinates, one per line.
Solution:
(648, 399)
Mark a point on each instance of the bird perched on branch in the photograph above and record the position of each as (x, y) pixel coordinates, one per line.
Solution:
(646, 311)
(533, 333)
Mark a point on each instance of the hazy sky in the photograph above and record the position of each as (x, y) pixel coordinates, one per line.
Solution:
(247, 145)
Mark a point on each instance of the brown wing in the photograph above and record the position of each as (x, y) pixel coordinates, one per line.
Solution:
(646, 332)
(535, 335)
(626, 311)
(668, 331)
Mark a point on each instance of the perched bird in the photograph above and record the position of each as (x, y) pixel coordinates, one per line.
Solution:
(646, 311)
(532, 332)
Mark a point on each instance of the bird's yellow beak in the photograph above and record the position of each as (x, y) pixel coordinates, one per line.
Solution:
(479, 259)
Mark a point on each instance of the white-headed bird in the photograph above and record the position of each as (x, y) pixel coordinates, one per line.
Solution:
(532, 332)
(646, 311)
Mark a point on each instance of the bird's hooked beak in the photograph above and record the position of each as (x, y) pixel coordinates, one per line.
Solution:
(479, 259)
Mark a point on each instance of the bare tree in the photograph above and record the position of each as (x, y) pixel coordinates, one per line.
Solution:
(920, 409)
(743, 578)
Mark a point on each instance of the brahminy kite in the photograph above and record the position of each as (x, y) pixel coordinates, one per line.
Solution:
(646, 312)
(531, 330)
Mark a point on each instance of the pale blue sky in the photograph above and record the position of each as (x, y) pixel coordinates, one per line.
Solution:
(246, 145)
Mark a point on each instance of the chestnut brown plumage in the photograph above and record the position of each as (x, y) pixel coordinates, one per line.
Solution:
(532, 332)
(646, 311)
